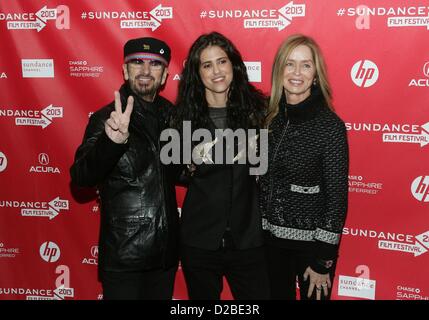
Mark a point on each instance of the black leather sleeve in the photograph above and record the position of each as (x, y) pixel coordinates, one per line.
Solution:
(97, 156)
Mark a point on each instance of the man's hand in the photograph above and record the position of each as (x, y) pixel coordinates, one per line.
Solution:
(320, 281)
(116, 126)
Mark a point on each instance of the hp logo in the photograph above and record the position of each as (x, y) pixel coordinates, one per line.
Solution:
(49, 251)
(420, 188)
(364, 73)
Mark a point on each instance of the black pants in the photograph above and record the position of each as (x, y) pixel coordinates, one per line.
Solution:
(148, 285)
(285, 266)
(245, 271)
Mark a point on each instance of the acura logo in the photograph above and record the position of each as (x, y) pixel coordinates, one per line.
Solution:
(43, 159)
(426, 69)
(94, 251)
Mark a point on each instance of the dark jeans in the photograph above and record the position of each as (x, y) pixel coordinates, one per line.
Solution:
(148, 285)
(285, 266)
(245, 271)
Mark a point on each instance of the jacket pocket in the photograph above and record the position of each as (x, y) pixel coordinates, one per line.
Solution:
(133, 240)
(128, 225)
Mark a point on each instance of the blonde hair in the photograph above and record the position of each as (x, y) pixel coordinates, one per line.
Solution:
(279, 66)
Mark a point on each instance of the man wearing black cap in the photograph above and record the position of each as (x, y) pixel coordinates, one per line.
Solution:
(120, 156)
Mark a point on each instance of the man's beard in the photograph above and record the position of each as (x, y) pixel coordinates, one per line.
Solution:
(147, 91)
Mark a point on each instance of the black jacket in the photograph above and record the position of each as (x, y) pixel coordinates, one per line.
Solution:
(138, 203)
(303, 196)
(221, 205)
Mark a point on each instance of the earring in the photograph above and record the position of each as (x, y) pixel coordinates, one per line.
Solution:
(314, 82)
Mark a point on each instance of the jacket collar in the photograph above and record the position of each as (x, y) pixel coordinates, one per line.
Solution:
(305, 110)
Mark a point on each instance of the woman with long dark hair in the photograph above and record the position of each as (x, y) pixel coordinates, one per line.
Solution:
(221, 233)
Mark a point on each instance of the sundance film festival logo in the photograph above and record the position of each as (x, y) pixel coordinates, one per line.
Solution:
(416, 245)
(38, 20)
(49, 209)
(62, 285)
(420, 246)
(260, 18)
(133, 19)
(422, 82)
(395, 133)
(38, 118)
(49, 251)
(409, 21)
(420, 188)
(364, 73)
(421, 138)
(44, 165)
(3, 162)
(403, 16)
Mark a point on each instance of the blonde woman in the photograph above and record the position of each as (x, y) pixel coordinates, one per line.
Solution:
(303, 196)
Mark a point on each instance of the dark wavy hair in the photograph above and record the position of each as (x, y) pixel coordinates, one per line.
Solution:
(245, 104)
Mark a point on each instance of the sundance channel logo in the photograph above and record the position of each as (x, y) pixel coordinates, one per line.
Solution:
(37, 68)
(356, 287)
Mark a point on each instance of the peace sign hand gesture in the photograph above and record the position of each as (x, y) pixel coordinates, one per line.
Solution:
(116, 127)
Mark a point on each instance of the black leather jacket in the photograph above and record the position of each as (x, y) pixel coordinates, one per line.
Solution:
(139, 214)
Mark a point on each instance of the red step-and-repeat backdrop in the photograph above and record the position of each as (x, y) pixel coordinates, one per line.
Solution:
(61, 60)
